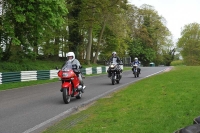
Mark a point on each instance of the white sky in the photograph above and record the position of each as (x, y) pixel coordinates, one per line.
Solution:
(177, 13)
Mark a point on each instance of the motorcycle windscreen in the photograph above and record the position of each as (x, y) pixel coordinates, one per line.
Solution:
(67, 66)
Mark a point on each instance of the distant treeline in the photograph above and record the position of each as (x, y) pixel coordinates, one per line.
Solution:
(92, 29)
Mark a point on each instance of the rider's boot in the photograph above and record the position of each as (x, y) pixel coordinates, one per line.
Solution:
(83, 76)
(83, 88)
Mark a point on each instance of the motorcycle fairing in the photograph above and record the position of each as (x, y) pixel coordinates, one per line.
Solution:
(76, 84)
(67, 85)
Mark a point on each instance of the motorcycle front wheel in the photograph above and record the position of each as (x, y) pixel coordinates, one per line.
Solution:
(135, 74)
(113, 79)
(118, 78)
(66, 96)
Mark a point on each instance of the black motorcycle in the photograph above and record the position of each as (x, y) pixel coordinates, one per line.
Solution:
(115, 72)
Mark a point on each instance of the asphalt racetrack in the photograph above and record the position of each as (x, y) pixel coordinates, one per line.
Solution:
(32, 109)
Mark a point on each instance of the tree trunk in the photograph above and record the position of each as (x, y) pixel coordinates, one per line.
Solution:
(74, 34)
(63, 55)
(35, 49)
(99, 42)
(7, 53)
(56, 46)
(89, 46)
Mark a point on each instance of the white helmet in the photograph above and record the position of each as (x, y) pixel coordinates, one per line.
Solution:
(71, 54)
(136, 59)
(114, 53)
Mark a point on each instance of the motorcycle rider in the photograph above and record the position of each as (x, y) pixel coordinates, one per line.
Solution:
(136, 62)
(116, 60)
(76, 63)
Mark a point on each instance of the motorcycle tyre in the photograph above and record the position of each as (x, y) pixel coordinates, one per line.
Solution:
(79, 95)
(118, 80)
(66, 96)
(113, 79)
(135, 75)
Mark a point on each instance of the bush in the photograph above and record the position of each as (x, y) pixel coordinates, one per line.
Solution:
(177, 63)
(29, 65)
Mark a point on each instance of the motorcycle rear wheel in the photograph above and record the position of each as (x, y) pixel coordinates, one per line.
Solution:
(66, 96)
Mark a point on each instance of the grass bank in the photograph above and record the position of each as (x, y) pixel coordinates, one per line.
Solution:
(159, 104)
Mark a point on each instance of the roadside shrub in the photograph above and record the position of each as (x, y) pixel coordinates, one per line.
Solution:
(177, 63)
(29, 66)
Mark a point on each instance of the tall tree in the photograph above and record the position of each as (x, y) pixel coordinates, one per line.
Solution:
(75, 7)
(168, 53)
(95, 16)
(190, 44)
(25, 23)
(111, 15)
(149, 34)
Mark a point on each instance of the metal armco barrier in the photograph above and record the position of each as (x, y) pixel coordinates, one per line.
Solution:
(43, 74)
(11, 77)
(53, 74)
(104, 69)
(28, 75)
(99, 70)
(0, 78)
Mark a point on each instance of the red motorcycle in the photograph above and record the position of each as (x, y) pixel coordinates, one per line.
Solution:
(70, 83)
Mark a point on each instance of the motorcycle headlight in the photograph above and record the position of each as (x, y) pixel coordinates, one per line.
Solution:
(65, 75)
(112, 66)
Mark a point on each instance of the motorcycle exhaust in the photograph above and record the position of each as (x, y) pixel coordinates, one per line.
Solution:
(80, 87)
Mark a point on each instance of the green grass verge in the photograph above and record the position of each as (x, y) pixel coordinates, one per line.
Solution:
(7, 86)
(160, 104)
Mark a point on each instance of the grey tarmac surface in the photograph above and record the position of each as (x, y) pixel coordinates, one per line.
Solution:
(32, 109)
